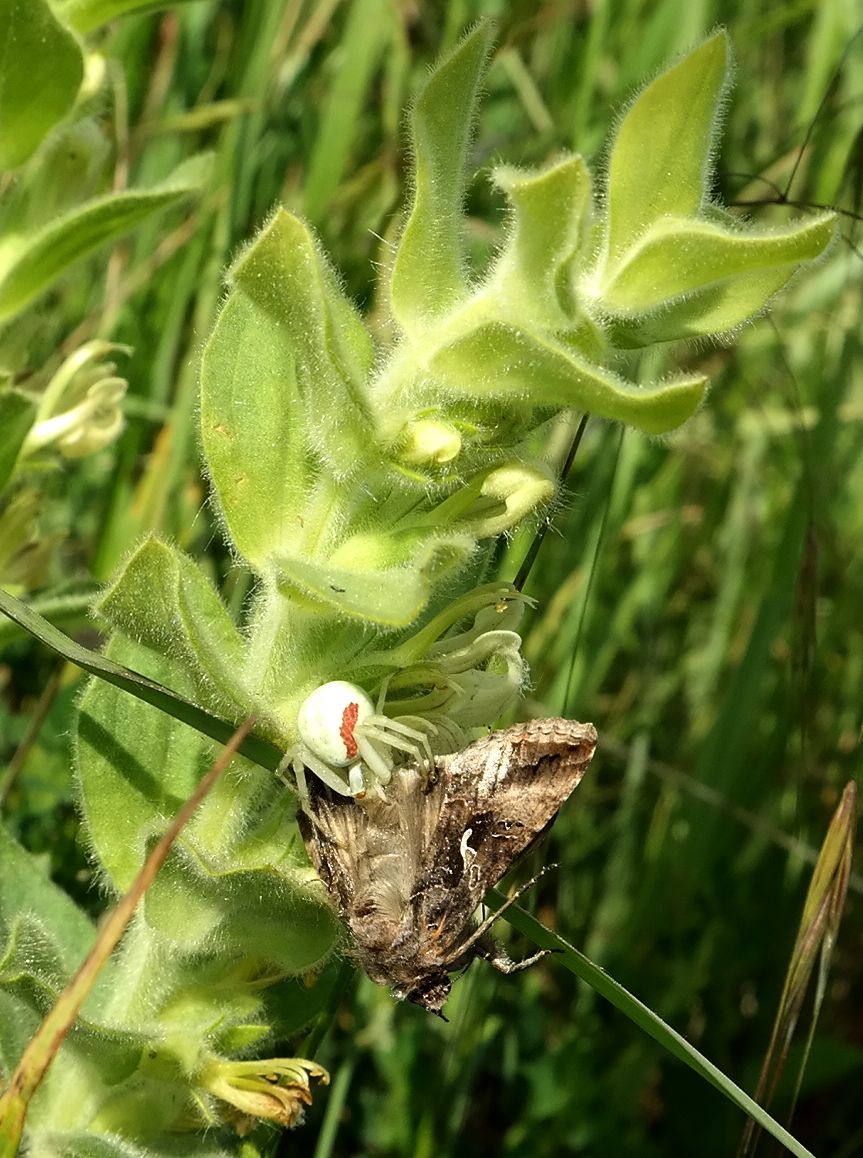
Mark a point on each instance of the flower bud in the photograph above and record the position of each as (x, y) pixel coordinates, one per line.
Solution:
(429, 442)
(79, 411)
(517, 488)
(273, 1089)
(494, 501)
(466, 679)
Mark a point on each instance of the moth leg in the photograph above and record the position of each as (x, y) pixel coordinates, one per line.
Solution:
(501, 960)
(483, 927)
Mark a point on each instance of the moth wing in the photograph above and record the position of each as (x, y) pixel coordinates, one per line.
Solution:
(363, 852)
(491, 801)
(333, 833)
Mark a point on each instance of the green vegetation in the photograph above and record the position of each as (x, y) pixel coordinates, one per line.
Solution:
(697, 596)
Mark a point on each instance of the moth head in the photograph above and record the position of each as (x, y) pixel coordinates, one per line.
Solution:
(431, 992)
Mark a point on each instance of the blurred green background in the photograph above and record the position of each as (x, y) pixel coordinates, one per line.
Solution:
(700, 598)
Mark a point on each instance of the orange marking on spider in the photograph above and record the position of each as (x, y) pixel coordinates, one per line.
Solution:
(346, 731)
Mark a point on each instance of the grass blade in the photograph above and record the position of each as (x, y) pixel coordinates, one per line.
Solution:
(253, 748)
(644, 1018)
(816, 937)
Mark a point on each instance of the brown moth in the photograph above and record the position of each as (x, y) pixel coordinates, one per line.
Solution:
(407, 871)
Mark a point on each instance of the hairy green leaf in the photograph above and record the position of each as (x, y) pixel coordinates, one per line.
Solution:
(662, 149)
(31, 261)
(41, 72)
(391, 597)
(676, 258)
(428, 275)
(186, 621)
(17, 413)
(281, 388)
(498, 361)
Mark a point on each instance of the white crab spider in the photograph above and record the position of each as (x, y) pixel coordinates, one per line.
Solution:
(341, 729)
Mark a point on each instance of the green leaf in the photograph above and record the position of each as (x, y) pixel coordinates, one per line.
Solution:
(282, 387)
(718, 309)
(498, 361)
(18, 1022)
(25, 887)
(79, 1144)
(70, 167)
(428, 275)
(297, 1001)
(550, 220)
(135, 766)
(31, 261)
(37, 958)
(31, 966)
(253, 442)
(274, 912)
(17, 413)
(161, 598)
(33, 975)
(660, 160)
(675, 258)
(230, 876)
(41, 73)
(86, 15)
(286, 273)
(391, 597)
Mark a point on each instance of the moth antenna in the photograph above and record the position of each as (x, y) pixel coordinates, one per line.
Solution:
(485, 925)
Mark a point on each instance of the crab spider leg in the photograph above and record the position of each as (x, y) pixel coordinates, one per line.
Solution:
(301, 785)
(382, 694)
(375, 760)
(389, 724)
(286, 763)
(426, 729)
(355, 780)
(384, 736)
(421, 723)
(455, 737)
(387, 730)
(323, 771)
(415, 727)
